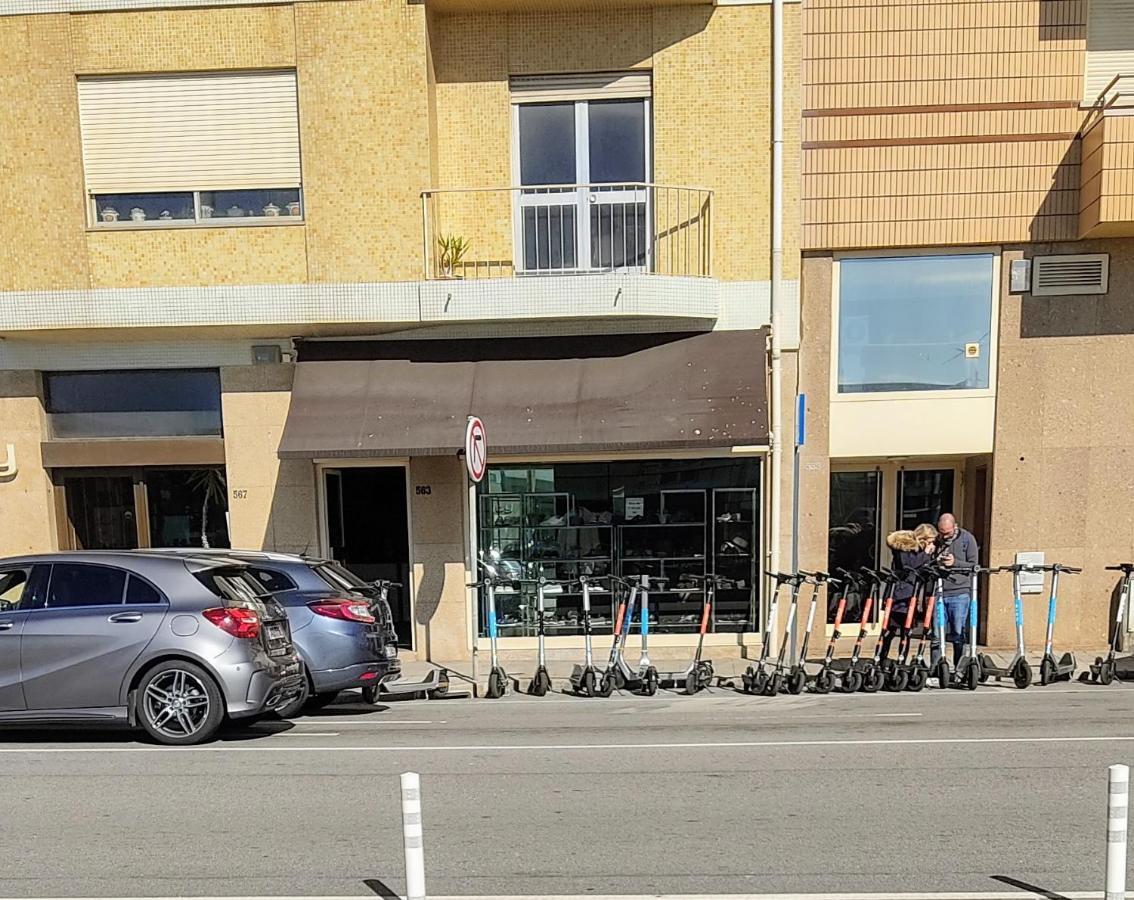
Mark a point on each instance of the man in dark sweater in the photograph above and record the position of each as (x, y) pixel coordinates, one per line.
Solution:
(957, 547)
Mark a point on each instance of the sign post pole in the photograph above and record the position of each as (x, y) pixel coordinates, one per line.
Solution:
(800, 437)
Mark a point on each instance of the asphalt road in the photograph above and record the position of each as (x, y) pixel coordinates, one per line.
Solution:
(720, 793)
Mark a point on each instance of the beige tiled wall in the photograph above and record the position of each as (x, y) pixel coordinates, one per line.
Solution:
(271, 501)
(26, 508)
(941, 122)
(1106, 202)
(441, 614)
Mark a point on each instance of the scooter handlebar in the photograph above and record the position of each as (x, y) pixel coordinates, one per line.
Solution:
(1125, 568)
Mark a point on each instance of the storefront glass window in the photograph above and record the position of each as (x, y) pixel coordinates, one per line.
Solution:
(852, 538)
(666, 519)
(914, 323)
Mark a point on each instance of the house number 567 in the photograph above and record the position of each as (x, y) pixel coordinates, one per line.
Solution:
(240, 494)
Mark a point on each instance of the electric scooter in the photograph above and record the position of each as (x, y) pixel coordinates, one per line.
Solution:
(1019, 669)
(1105, 670)
(497, 678)
(899, 671)
(797, 678)
(853, 676)
(941, 670)
(618, 672)
(968, 671)
(585, 679)
(541, 681)
(756, 677)
(873, 673)
(775, 681)
(825, 678)
(1052, 669)
(699, 673)
(918, 670)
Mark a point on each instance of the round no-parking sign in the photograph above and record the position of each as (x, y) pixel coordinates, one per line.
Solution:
(476, 449)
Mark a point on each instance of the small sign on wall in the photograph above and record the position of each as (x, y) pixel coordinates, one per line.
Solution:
(1031, 582)
(635, 508)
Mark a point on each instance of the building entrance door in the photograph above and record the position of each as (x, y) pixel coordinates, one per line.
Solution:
(367, 530)
(101, 512)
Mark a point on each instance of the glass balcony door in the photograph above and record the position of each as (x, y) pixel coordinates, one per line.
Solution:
(583, 204)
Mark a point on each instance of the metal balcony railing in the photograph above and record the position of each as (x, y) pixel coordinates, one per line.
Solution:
(567, 229)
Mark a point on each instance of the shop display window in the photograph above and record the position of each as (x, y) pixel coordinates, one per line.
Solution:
(668, 519)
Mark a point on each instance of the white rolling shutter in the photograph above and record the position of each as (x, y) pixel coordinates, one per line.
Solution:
(194, 132)
(591, 86)
(1110, 48)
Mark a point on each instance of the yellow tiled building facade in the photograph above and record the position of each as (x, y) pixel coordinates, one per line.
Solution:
(395, 98)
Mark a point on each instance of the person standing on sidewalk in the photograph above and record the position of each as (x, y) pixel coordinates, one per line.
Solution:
(956, 548)
(912, 550)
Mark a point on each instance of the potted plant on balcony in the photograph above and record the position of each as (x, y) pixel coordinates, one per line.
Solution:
(453, 248)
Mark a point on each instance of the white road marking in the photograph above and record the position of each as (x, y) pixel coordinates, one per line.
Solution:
(309, 734)
(512, 748)
(320, 723)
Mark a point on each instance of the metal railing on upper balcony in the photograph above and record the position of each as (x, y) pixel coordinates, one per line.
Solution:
(567, 229)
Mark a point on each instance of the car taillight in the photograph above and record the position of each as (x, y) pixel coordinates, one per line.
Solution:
(235, 620)
(348, 610)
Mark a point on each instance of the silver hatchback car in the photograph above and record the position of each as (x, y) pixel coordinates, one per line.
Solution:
(174, 645)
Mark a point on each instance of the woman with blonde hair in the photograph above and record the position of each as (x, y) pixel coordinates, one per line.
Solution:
(912, 550)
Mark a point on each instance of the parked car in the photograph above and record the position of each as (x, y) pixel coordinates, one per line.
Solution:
(174, 645)
(344, 638)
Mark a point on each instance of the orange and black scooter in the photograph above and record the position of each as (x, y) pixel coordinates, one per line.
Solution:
(853, 677)
(797, 677)
(919, 668)
(873, 674)
(825, 678)
(898, 673)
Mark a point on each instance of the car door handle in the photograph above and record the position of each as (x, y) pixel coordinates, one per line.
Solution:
(126, 617)
(7, 626)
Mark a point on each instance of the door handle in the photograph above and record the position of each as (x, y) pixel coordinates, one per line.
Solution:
(126, 617)
(7, 626)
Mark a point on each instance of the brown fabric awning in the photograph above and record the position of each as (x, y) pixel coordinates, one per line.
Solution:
(575, 394)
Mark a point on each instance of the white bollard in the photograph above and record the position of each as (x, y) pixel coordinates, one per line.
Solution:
(412, 836)
(1117, 808)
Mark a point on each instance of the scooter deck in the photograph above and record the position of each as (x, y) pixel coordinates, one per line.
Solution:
(435, 686)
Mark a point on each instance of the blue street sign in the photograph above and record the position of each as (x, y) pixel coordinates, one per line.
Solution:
(800, 419)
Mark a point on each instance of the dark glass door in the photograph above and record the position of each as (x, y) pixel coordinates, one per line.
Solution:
(853, 536)
(923, 495)
(102, 512)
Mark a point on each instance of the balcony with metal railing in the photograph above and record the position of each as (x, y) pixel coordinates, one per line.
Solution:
(567, 229)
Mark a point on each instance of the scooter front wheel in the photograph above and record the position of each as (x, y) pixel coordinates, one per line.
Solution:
(758, 681)
(692, 683)
(852, 681)
(918, 678)
(824, 681)
(606, 685)
(589, 686)
(1107, 671)
(496, 685)
(773, 685)
(541, 684)
(873, 679)
(1047, 671)
(650, 684)
(901, 680)
(1022, 674)
(797, 682)
(942, 674)
(972, 675)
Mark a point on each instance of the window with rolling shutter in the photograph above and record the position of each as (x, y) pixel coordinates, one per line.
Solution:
(585, 86)
(1110, 48)
(191, 146)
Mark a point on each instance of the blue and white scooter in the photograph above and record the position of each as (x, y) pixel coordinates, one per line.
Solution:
(1018, 669)
(1052, 669)
(968, 672)
(497, 678)
(618, 673)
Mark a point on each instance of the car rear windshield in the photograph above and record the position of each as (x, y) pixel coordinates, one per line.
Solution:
(233, 585)
(339, 577)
